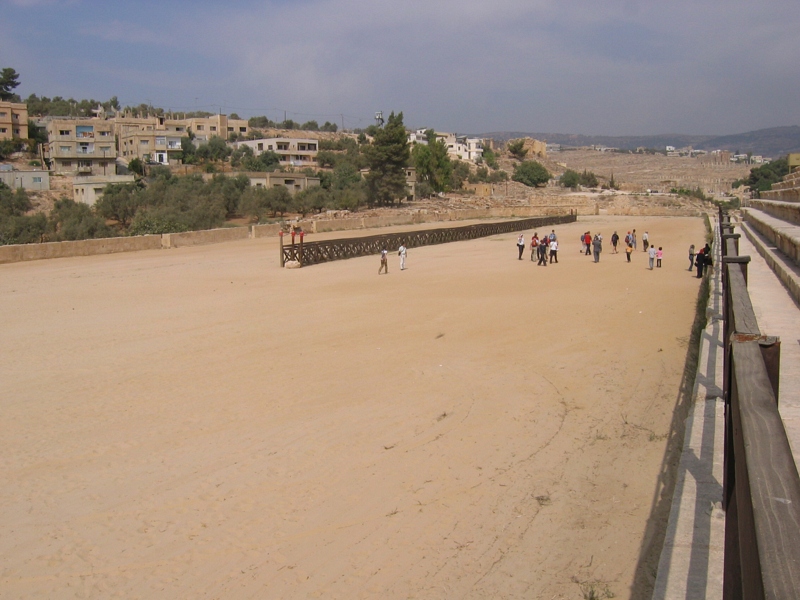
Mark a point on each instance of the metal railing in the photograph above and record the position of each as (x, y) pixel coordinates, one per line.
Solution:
(761, 489)
(310, 253)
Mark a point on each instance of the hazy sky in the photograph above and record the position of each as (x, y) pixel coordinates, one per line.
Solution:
(605, 67)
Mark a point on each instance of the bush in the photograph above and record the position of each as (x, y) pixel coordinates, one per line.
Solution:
(72, 220)
(531, 173)
(517, 149)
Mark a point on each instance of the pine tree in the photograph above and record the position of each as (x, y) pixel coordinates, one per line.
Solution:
(387, 159)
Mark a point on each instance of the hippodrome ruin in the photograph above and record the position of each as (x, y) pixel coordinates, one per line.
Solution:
(186, 417)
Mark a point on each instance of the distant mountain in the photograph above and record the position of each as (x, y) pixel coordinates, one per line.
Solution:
(774, 142)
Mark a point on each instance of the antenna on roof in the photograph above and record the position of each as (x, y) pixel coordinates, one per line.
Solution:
(379, 118)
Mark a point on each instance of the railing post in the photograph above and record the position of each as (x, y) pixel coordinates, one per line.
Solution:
(283, 258)
(738, 260)
(770, 347)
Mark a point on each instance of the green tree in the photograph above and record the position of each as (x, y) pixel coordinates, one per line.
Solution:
(136, 166)
(215, 149)
(118, 202)
(9, 80)
(517, 149)
(459, 175)
(490, 158)
(570, 179)
(387, 159)
(531, 173)
(432, 163)
(70, 220)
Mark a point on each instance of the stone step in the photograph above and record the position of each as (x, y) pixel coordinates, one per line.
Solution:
(778, 243)
(785, 211)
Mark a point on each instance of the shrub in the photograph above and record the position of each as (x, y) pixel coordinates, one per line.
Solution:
(531, 173)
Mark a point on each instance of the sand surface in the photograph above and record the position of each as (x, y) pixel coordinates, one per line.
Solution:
(199, 423)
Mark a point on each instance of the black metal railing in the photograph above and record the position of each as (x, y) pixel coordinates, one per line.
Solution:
(311, 253)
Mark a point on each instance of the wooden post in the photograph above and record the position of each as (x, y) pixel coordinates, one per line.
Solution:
(302, 233)
(283, 259)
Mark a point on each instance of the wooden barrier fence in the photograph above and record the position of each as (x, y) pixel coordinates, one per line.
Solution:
(761, 488)
(310, 253)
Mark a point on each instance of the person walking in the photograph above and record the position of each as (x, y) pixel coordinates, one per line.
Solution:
(629, 251)
(534, 244)
(542, 252)
(615, 241)
(553, 250)
(633, 239)
(645, 241)
(587, 239)
(384, 262)
(691, 257)
(401, 252)
(659, 256)
(597, 247)
(521, 245)
(652, 255)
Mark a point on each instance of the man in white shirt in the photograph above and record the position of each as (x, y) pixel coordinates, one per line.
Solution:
(554, 250)
(402, 254)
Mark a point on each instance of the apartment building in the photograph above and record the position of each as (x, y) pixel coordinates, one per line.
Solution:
(458, 146)
(204, 128)
(298, 152)
(293, 182)
(151, 139)
(13, 121)
(81, 146)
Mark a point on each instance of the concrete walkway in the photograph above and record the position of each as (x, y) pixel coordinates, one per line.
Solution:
(691, 564)
(691, 560)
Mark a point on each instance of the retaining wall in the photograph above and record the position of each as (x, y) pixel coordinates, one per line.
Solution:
(22, 252)
(208, 236)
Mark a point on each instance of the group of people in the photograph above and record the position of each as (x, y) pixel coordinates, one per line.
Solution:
(700, 260)
(541, 248)
(594, 244)
(402, 252)
(546, 247)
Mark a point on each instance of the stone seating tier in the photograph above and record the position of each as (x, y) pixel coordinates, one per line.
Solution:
(784, 235)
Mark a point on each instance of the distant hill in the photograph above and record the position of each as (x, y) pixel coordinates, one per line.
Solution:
(774, 142)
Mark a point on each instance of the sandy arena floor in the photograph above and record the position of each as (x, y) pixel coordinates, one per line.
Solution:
(199, 423)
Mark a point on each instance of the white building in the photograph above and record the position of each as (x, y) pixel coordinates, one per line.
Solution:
(298, 152)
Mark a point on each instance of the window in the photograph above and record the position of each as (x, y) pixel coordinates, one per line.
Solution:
(312, 147)
(213, 128)
(105, 149)
(283, 146)
(242, 129)
(63, 132)
(3, 130)
(84, 164)
(105, 133)
(260, 146)
(63, 149)
(144, 142)
(66, 163)
(161, 141)
(98, 191)
(37, 180)
(199, 128)
(230, 129)
(3, 115)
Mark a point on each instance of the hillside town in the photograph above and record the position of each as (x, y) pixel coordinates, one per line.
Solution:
(81, 156)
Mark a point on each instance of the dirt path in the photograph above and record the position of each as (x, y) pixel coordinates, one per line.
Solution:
(200, 423)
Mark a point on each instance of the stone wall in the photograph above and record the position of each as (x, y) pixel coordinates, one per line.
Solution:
(21, 252)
